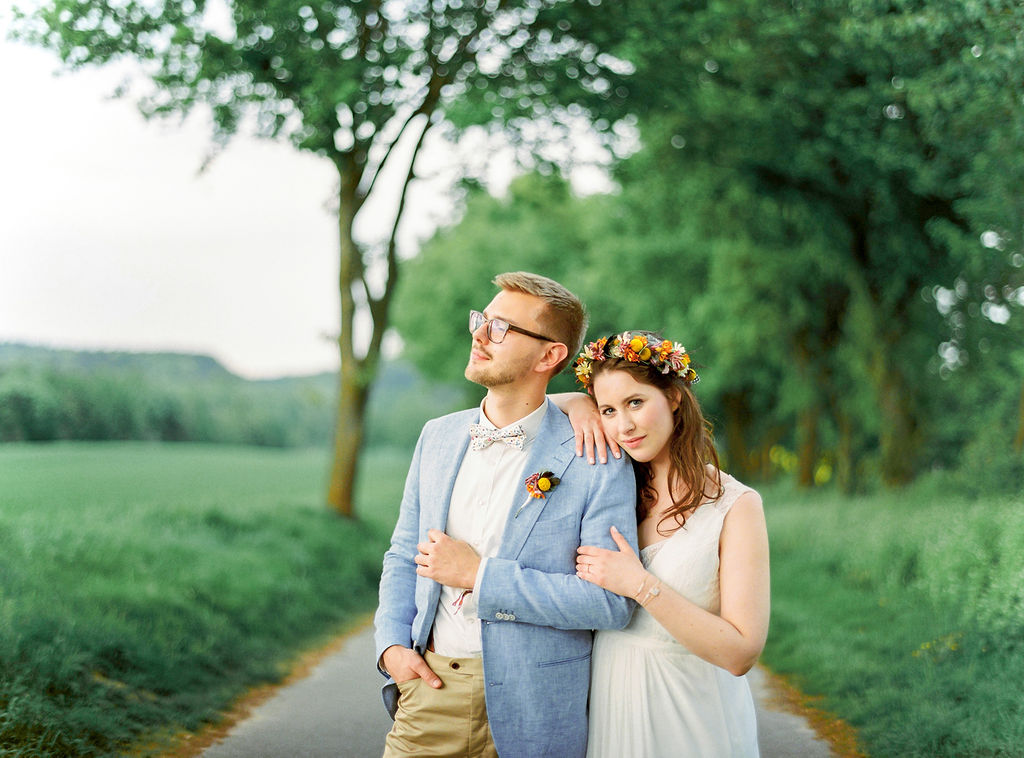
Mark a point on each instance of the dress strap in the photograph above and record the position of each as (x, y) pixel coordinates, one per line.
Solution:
(732, 489)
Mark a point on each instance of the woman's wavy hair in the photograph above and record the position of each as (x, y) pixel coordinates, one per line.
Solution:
(691, 446)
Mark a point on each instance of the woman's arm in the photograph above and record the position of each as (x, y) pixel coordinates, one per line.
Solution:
(733, 639)
(586, 422)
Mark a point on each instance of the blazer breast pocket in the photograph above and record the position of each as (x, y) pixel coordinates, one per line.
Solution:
(552, 544)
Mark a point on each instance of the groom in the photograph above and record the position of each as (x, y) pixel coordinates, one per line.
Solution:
(483, 628)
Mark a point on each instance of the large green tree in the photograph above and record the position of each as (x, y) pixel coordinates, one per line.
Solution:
(898, 123)
(360, 83)
(811, 173)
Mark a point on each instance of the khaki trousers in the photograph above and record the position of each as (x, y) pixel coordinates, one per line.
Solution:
(450, 721)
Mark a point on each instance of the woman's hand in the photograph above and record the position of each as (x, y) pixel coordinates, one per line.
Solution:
(586, 423)
(619, 571)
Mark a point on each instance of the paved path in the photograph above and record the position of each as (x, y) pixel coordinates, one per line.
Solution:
(336, 712)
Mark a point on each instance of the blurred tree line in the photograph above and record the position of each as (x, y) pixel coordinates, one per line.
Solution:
(826, 207)
(827, 210)
(360, 83)
(48, 395)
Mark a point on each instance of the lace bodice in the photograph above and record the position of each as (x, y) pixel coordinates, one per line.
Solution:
(687, 561)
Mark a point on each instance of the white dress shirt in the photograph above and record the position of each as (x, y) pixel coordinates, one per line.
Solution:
(489, 484)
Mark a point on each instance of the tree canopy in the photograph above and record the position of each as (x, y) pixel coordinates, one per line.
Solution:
(360, 83)
(828, 208)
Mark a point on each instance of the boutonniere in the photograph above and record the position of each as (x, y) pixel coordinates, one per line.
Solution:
(537, 485)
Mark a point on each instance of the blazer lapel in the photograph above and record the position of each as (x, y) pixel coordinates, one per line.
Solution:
(443, 469)
(549, 452)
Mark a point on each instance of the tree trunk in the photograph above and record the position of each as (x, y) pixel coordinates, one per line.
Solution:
(357, 374)
(348, 438)
(807, 445)
(354, 379)
(737, 425)
(898, 434)
(898, 443)
(844, 453)
(1018, 442)
(761, 463)
(808, 417)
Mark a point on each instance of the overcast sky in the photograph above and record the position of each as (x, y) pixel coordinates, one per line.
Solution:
(111, 239)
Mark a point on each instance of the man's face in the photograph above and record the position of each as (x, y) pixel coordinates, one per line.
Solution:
(496, 365)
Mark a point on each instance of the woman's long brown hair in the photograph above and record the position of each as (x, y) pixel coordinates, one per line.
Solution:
(691, 448)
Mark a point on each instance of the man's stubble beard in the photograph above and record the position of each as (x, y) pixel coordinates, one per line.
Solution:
(490, 377)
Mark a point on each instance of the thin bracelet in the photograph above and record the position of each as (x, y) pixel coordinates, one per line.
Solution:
(654, 591)
(636, 595)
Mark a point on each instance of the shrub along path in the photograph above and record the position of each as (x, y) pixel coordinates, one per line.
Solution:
(331, 708)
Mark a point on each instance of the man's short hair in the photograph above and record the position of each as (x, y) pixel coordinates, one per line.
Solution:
(565, 318)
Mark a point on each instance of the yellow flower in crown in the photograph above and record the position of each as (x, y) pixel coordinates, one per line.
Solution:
(635, 350)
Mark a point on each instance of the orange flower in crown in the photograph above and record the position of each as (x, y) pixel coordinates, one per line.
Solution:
(664, 356)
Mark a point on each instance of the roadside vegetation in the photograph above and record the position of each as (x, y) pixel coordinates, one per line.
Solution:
(147, 585)
(904, 611)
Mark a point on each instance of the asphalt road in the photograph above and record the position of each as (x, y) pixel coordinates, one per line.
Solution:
(336, 712)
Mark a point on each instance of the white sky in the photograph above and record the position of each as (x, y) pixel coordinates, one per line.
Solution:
(111, 239)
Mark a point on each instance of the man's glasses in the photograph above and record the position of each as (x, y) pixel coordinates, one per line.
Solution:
(497, 328)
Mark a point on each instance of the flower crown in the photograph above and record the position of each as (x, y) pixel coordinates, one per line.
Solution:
(664, 356)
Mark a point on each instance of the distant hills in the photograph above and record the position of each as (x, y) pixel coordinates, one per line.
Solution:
(157, 365)
(52, 394)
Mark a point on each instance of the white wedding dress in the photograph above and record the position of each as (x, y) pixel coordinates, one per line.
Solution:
(649, 696)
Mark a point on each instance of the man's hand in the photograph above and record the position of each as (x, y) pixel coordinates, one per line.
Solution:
(447, 561)
(404, 664)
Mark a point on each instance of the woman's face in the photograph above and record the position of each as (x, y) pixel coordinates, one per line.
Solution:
(636, 415)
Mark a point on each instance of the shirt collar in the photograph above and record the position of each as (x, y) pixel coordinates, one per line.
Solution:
(531, 423)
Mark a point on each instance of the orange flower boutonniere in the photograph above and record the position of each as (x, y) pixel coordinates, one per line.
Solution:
(538, 484)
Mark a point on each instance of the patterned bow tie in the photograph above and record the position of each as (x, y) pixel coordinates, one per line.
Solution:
(482, 436)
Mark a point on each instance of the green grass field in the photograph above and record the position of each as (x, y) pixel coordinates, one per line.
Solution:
(144, 586)
(906, 611)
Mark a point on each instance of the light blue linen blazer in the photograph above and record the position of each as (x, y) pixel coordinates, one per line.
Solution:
(536, 615)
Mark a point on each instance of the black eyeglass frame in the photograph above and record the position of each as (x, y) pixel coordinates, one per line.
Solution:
(483, 320)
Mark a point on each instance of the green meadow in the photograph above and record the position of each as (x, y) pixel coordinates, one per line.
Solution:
(905, 611)
(144, 586)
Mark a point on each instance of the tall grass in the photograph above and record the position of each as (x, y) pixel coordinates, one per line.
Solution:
(143, 586)
(906, 612)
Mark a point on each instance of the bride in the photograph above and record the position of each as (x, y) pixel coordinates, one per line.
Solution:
(672, 682)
